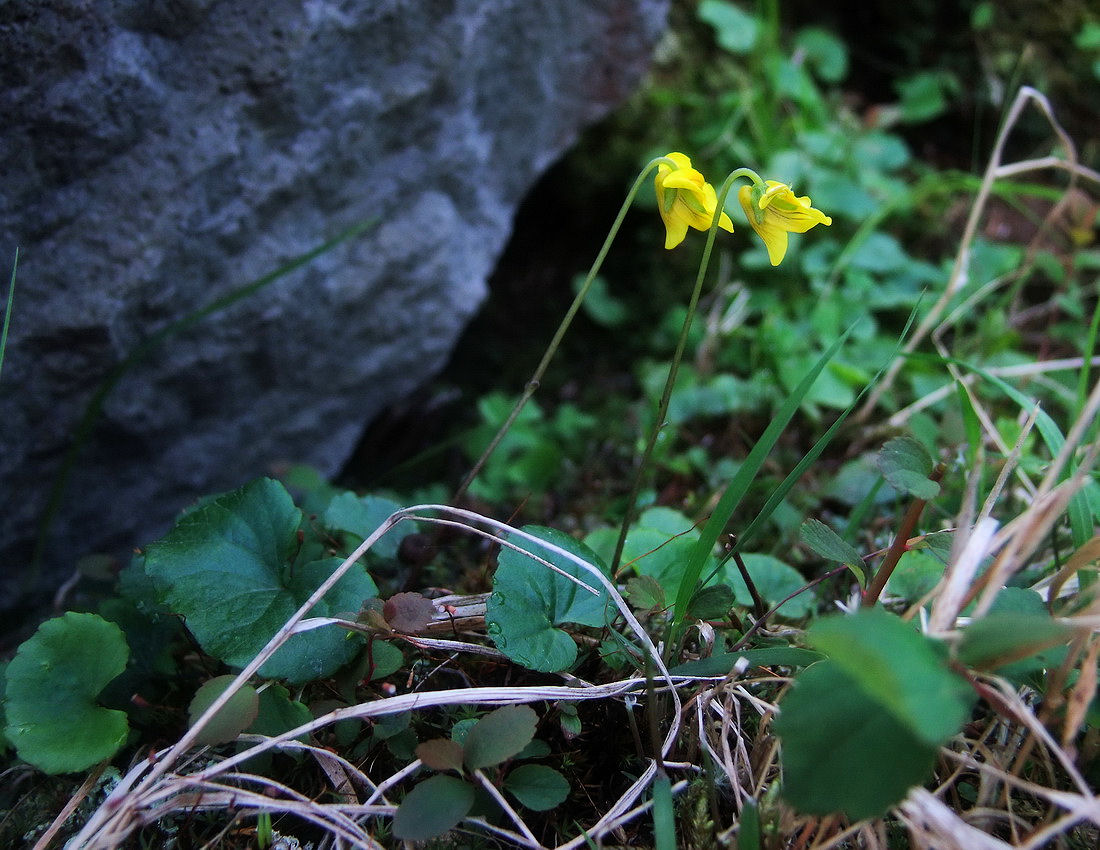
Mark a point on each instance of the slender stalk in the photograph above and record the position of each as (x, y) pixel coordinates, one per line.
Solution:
(7, 310)
(898, 547)
(555, 343)
(681, 344)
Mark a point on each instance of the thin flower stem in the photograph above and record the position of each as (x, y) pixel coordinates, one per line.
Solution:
(666, 396)
(555, 343)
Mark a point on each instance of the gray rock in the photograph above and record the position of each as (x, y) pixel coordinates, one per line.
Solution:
(158, 154)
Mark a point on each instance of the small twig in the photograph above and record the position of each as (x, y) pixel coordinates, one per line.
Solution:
(759, 606)
(759, 624)
(85, 788)
(899, 546)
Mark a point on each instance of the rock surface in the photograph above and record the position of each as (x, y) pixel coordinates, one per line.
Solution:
(159, 154)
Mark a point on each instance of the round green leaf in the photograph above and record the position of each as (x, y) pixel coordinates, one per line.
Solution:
(434, 806)
(842, 750)
(231, 719)
(903, 671)
(537, 787)
(441, 754)
(499, 735)
(360, 516)
(775, 581)
(529, 602)
(226, 567)
(52, 683)
(278, 713)
(906, 464)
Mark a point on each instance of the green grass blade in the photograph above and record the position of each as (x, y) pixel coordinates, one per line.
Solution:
(7, 310)
(1080, 515)
(741, 482)
(664, 821)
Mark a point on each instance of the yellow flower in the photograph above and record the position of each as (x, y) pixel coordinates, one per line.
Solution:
(777, 211)
(685, 200)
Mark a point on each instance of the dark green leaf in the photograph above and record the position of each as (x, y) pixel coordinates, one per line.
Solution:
(231, 719)
(529, 602)
(537, 787)
(775, 581)
(905, 672)
(51, 687)
(906, 464)
(830, 545)
(711, 602)
(1003, 638)
(361, 516)
(842, 750)
(645, 593)
(499, 735)
(278, 713)
(226, 568)
(434, 806)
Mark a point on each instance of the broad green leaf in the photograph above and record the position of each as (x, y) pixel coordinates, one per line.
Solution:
(231, 719)
(1003, 638)
(903, 671)
(906, 464)
(50, 693)
(645, 593)
(772, 656)
(537, 787)
(361, 516)
(843, 751)
(914, 576)
(499, 735)
(441, 754)
(734, 29)
(386, 659)
(226, 568)
(278, 713)
(434, 806)
(825, 51)
(529, 602)
(712, 602)
(830, 545)
(774, 581)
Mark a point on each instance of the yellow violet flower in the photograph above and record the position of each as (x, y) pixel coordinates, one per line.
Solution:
(777, 211)
(685, 200)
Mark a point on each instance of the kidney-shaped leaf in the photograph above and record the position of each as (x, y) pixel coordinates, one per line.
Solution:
(434, 806)
(52, 683)
(232, 718)
(499, 735)
(529, 601)
(842, 750)
(226, 568)
(536, 786)
(905, 672)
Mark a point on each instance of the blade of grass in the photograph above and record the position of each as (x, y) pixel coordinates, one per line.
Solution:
(812, 455)
(83, 430)
(1080, 516)
(740, 484)
(7, 310)
(664, 823)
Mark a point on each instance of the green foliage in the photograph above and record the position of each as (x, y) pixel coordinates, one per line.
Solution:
(51, 685)
(906, 464)
(830, 545)
(435, 806)
(232, 718)
(862, 727)
(232, 568)
(529, 602)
